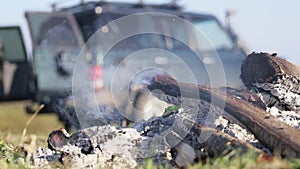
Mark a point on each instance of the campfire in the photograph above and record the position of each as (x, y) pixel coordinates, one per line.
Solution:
(263, 118)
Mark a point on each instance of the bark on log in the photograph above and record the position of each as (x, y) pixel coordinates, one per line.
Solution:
(277, 80)
(277, 136)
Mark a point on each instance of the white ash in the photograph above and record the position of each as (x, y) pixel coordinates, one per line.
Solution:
(283, 93)
(282, 102)
(116, 151)
(291, 118)
(234, 130)
(112, 148)
(43, 158)
(239, 132)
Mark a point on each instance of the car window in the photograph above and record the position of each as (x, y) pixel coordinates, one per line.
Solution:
(47, 30)
(214, 33)
(12, 44)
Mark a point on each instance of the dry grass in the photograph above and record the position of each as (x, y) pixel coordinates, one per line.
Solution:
(13, 119)
(22, 133)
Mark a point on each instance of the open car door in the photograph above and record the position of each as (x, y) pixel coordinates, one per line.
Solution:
(14, 68)
(56, 42)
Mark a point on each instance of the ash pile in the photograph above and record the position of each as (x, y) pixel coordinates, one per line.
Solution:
(263, 118)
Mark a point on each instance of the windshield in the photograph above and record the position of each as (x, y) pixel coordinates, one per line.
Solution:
(147, 40)
(210, 28)
(214, 33)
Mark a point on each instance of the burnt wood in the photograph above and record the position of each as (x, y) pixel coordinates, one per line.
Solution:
(274, 78)
(266, 68)
(277, 136)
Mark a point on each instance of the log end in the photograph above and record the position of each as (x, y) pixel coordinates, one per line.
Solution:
(57, 139)
(258, 68)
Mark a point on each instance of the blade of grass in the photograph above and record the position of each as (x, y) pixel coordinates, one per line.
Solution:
(29, 121)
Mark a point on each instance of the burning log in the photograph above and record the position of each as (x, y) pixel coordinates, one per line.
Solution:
(277, 136)
(276, 79)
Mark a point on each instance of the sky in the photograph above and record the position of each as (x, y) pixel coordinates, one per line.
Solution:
(263, 26)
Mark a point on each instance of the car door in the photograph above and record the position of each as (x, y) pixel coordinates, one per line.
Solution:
(14, 68)
(56, 42)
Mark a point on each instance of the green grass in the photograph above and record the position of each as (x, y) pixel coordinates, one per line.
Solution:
(12, 156)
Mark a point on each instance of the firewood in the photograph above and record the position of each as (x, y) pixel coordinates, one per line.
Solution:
(276, 79)
(277, 136)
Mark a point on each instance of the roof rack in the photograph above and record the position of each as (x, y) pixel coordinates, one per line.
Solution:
(173, 5)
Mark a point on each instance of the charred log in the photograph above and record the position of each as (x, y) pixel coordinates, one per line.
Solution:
(277, 136)
(266, 68)
(220, 143)
(245, 95)
(276, 79)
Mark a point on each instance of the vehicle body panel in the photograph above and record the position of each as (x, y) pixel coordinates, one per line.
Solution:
(15, 70)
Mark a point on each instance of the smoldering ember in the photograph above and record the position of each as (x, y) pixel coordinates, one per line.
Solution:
(263, 118)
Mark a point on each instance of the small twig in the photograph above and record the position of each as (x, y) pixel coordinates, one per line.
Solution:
(29, 121)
